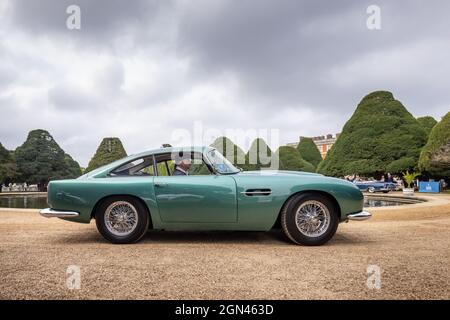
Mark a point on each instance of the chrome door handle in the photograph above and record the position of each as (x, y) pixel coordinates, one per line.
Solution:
(160, 184)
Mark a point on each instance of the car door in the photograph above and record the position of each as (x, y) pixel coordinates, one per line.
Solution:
(201, 198)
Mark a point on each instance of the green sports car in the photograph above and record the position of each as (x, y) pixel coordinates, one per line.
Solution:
(142, 191)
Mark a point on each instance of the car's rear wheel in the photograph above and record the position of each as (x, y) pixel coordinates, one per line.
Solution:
(122, 219)
(371, 189)
(309, 219)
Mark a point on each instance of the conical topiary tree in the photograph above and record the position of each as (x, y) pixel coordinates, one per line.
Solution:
(72, 169)
(7, 165)
(435, 156)
(40, 159)
(231, 151)
(5, 155)
(290, 159)
(260, 156)
(109, 150)
(381, 136)
(309, 151)
(427, 123)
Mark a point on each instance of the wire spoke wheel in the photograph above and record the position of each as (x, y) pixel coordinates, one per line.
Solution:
(312, 218)
(121, 218)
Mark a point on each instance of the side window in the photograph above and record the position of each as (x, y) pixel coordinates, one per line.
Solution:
(149, 171)
(199, 168)
(162, 167)
(166, 164)
(138, 167)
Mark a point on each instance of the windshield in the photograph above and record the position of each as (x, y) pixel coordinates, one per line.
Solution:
(220, 163)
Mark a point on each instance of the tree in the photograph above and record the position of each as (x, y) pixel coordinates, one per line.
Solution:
(290, 159)
(399, 165)
(380, 136)
(109, 150)
(260, 156)
(40, 159)
(231, 151)
(435, 156)
(427, 123)
(409, 178)
(8, 169)
(308, 150)
(72, 169)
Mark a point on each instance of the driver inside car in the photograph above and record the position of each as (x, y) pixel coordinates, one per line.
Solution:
(182, 167)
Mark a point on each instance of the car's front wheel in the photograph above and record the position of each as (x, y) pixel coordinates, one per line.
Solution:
(309, 219)
(122, 219)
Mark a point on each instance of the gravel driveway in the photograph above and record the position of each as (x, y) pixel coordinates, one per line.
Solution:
(411, 245)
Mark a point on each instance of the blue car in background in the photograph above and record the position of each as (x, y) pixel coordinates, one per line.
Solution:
(376, 186)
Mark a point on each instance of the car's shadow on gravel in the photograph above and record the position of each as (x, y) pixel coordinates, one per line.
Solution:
(272, 237)
(247, 237)
(180, 237)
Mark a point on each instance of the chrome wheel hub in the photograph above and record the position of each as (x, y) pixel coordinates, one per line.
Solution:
(312, 218)
(121, 218)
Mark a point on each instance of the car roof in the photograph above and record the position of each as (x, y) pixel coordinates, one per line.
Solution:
(103, 170)
(169, 149)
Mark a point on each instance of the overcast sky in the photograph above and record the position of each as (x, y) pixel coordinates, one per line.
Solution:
(141, 70)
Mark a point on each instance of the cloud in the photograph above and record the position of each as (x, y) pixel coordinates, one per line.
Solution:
(142, 70)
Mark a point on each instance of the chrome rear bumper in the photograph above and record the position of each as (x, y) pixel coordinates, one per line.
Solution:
(359, 216)
(50, 213)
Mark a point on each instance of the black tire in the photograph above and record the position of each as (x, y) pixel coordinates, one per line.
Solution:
(371, 190)
(141, 225)
(289, 225)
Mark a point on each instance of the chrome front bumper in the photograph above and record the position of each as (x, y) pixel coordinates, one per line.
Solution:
(359, 216)
(50, 213)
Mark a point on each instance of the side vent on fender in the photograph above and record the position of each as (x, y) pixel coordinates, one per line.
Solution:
(257, 192)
